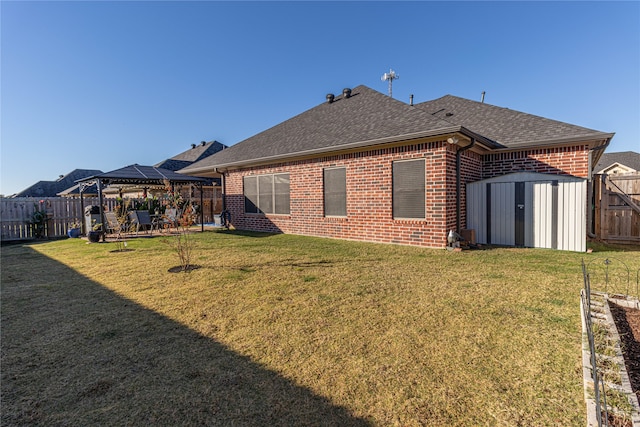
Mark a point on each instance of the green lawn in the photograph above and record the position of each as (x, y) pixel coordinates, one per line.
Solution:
(291, 330)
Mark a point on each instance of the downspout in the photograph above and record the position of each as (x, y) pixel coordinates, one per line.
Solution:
(223, 184)
(473, 142)
(225, 216)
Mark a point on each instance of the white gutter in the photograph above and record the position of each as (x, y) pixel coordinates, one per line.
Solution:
(559, 141)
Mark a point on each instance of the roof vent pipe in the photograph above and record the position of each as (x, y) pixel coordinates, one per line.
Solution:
(482, 100)
(411, 99)
(193, 145)
(346, 92)
(203, 143)
(330, 98)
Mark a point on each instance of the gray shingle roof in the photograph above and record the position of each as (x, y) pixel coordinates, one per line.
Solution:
(173, 165)
(510, 128)
(628, 158)
(367, 115)
(52, 188)
(195, 153)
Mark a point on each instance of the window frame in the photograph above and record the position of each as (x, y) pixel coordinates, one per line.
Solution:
(403, 194)
(272, 195)
(342, 194)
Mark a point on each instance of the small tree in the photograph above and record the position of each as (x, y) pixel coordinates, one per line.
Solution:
(123, 226)
(182, 243)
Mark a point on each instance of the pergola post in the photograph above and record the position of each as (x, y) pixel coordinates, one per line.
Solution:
(201, 186)
(82, 222)
(101, 202)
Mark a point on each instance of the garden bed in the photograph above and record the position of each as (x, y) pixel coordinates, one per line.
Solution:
(627, 320)
(615, 325)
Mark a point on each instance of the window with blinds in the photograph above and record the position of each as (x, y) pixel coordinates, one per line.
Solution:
(281, 197)
(409, 189)
(251, 194)
(266, 194)
(335, 192)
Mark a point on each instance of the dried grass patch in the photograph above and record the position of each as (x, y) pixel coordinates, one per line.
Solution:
(281, 330)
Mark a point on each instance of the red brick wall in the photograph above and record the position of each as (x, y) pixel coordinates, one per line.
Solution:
(572, 160)
(369, 191)
(470, 171)
(369, 197)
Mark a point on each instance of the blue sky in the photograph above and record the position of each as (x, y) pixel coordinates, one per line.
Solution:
(102, 85)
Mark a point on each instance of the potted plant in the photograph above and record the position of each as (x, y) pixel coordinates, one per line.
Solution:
(74, 229)
(95, 233)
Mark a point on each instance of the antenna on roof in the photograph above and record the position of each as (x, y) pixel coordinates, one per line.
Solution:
(390, 76)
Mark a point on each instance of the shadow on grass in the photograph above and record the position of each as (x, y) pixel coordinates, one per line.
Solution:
(246, 233)
(75, 353)
(598, 246)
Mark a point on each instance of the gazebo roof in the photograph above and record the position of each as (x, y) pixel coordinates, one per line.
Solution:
(138, 174)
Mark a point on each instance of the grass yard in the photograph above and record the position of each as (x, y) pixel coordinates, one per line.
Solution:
(290, 330)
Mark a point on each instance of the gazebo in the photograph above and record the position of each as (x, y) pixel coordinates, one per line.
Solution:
(139, 176)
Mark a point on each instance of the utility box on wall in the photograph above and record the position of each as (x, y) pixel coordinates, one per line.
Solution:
(529, 209)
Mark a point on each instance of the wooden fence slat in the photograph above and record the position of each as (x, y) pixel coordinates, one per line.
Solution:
(16, 212)
(617, 199)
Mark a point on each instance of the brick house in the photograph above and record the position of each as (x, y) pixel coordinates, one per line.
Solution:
(365, 166)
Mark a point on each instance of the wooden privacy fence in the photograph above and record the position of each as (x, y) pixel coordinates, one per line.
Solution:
(15, 213)
(617, 208)
(61, 212)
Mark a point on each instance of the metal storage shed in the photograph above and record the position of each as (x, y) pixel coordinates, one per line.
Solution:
(529, 209)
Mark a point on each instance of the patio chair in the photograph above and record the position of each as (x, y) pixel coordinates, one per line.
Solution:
(170, 218)
(113, 225)
(141, 219)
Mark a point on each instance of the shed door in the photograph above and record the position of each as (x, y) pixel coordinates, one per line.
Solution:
(501, 213)
(514, 216)
(519, 217)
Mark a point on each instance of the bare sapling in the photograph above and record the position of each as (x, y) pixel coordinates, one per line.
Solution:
(182, 243)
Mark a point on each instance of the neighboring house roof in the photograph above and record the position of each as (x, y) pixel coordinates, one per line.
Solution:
(75, 191)
(510, 128)
(368, 118)
(52, 188)
(195, 153)
(630, 159)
